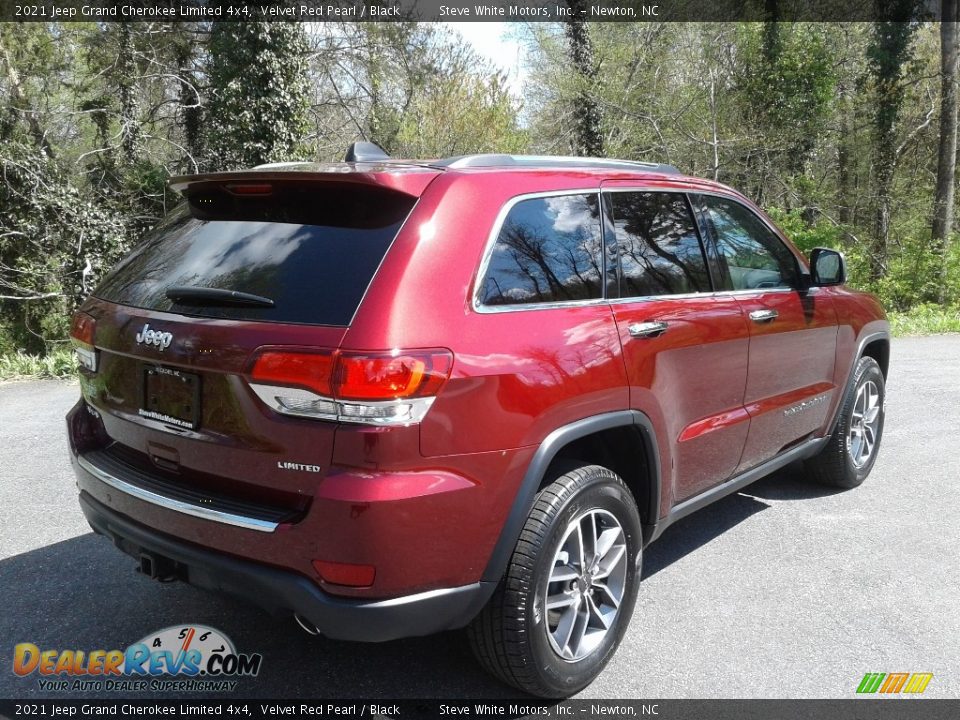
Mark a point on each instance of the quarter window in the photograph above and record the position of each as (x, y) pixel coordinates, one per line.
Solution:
(658, 245)
(753, 256)
(548, 250)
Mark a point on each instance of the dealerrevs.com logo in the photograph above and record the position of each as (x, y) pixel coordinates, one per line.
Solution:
(179, 658)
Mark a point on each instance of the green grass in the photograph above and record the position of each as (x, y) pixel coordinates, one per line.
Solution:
(925, 320)
(23, 366)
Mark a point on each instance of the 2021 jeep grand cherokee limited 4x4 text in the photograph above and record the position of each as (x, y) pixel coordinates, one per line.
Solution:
(393, 398)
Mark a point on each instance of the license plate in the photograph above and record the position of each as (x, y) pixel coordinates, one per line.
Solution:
(171, 396)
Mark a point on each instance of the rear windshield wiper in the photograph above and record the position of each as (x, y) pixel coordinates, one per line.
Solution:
(216, 296)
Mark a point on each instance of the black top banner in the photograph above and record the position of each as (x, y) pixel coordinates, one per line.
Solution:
(455, 10)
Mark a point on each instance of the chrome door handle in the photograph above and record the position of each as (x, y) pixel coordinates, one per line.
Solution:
(761, 316)
(647, 329)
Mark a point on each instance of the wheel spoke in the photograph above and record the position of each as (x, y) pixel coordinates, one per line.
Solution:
(561, 600)
(579, 629)
(606, 541)
(608, 594)
(589, 541)
(563, 573)
(596, 613)
(565, 628)
(610, 561)
(580, 551)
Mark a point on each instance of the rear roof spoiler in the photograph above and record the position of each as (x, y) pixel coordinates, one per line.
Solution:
(408, 179)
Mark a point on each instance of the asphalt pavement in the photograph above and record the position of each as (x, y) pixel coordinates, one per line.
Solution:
(783, 590)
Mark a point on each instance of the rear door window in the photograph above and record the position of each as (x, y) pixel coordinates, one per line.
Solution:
(548, 250)
(313, 253)
(658, 244)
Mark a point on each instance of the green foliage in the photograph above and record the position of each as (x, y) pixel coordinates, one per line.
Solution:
(916, 272)
(926, 319)
(788, 79)
(825, 124)
(462, 115)
(258, 98)
(55, 242)
(24, 366)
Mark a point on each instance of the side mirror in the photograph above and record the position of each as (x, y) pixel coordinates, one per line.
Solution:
(827, 267)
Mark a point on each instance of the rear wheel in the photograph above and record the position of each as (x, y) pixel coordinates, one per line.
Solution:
(569, 590)
(849, 455)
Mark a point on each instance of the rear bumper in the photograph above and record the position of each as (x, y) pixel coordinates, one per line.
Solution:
(282, 591)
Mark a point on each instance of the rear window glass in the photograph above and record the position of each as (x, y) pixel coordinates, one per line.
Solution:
(548, 250)
(313, 253)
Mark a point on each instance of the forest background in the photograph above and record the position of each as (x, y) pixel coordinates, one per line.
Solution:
(844, 132)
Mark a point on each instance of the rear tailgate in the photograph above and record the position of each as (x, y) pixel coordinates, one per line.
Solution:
(170, 384)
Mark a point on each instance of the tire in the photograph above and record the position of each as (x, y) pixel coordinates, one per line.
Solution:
(511, 637)
(845, 462)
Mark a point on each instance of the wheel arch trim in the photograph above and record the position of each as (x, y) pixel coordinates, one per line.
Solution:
(861, 346)
(540, 463)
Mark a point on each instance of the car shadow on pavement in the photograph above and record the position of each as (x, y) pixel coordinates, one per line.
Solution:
(84, 594)
(698, 529)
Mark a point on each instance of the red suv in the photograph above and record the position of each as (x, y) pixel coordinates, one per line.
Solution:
(392, 398)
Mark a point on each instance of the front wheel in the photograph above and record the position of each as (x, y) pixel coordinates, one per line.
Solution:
(569, 591)
(849, 455)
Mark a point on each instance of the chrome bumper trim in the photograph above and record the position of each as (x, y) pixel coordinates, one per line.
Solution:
(219, 516)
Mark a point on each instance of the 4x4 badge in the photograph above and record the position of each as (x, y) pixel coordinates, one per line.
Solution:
(154, 337)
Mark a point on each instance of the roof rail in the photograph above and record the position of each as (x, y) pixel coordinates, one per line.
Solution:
(558, 161)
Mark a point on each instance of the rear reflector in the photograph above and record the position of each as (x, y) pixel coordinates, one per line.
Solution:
(345, 573)
(82, 330)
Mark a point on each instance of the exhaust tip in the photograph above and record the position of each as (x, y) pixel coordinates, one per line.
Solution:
(308, 627)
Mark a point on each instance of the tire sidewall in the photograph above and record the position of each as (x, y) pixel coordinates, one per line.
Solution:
(602, 493)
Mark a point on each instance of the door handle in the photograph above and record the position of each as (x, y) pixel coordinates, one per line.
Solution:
(647, 329)
(762, 316)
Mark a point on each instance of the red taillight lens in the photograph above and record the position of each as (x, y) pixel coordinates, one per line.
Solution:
(390, 376)
(82, 328)
(345, 573)
(357, 376)
(311, 370)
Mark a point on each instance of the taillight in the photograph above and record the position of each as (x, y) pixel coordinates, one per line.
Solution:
(313, 371)
(382, 388)
(82, 330)
(392, 375)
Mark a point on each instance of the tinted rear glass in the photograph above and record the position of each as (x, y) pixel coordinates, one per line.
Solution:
(313, 254)
(548, 250)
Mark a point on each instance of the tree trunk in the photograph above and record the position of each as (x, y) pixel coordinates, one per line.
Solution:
(844, 159)
(888, 54)
(19, 99)
(127, 94)
(589, 136)
(947, 154)
(188, 98)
